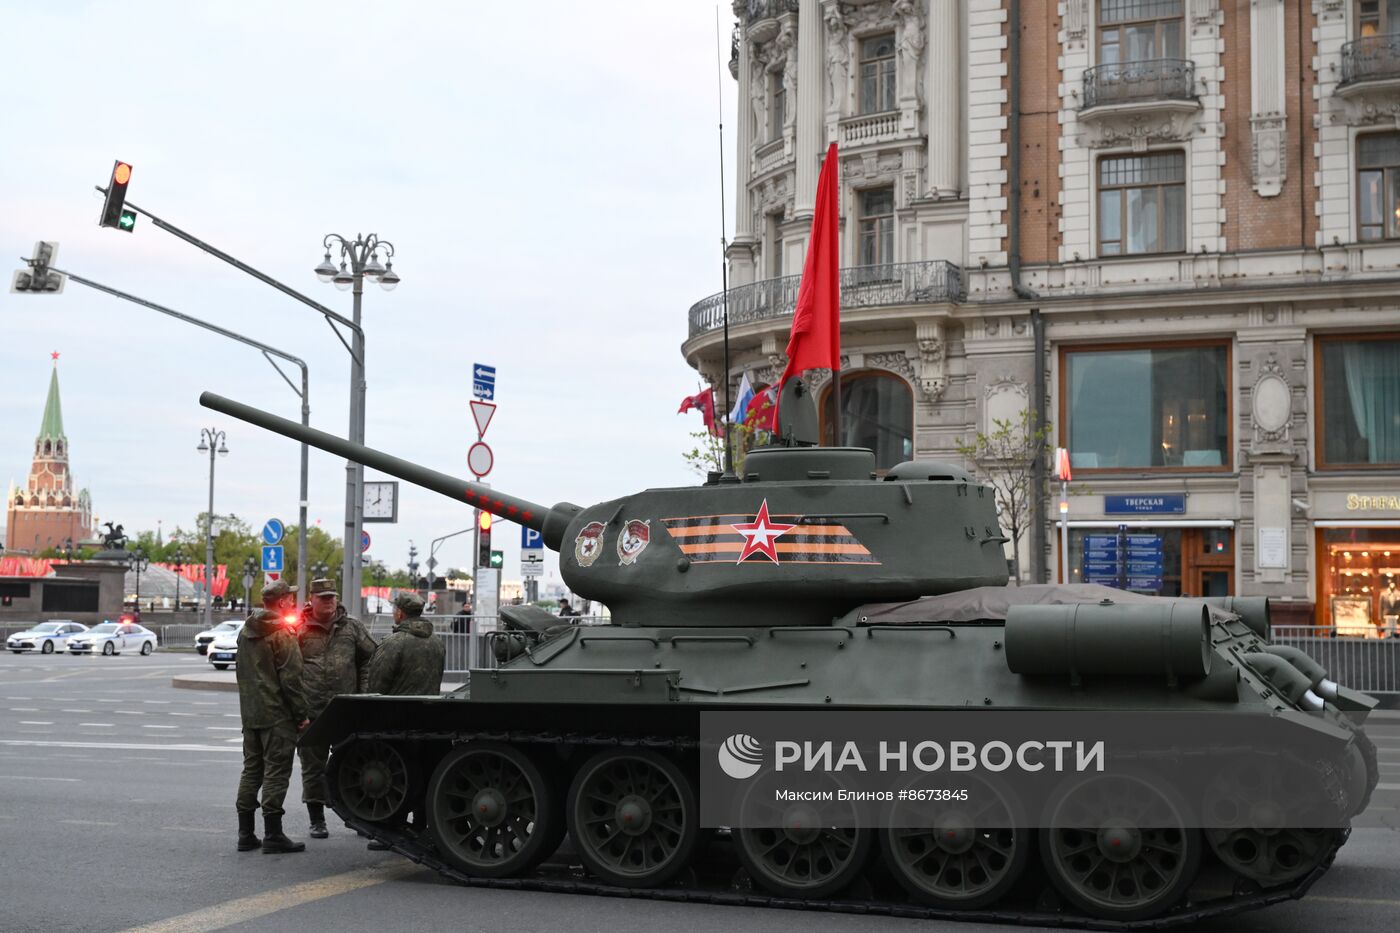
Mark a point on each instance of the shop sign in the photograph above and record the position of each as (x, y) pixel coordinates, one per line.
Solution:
(1169, 503)
(1372, 503)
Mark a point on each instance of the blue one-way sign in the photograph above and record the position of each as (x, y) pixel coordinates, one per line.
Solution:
(483, 382)
(531, 540)
(272, 532)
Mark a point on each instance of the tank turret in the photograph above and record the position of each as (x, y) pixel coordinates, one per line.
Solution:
(805, 535)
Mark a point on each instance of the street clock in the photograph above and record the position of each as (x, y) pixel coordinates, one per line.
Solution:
(381, 502)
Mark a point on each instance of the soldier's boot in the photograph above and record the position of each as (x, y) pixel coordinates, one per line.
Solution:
(318, 829)
(247, 838)
(273, 840)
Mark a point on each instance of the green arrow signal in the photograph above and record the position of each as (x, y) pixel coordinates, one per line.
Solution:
(127, 220)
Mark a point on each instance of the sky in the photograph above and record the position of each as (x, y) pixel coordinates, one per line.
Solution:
(547, 174)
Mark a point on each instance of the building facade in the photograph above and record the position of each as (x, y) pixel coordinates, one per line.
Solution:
(1172, 227)
(47, 512)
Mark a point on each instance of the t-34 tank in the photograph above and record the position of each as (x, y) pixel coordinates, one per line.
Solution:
(814, 583)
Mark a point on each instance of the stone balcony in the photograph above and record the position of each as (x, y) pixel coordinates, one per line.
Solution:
(1369, 60)
(1139, 102)
(890, 285)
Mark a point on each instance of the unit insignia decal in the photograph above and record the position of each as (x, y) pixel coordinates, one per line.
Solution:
(760, 537)
(589, 544)
(633, 540)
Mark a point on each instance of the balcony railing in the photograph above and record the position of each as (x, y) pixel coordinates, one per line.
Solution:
(1374, 58)
(767, 9)
(896, 283)
(1139, 82)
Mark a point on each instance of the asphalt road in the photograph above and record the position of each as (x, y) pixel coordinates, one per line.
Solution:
(116, 812)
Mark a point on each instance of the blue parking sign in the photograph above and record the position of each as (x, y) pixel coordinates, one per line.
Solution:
(530, 539)
(272, 558)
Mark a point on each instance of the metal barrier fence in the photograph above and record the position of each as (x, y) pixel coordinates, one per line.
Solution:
(179, 635)
(1371, 665)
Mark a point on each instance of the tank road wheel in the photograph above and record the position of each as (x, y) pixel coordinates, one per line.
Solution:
(1119, 846)
(795, 848)
(970, 855)
(1248, 805)
(492, 811)
(371, 779)
(633, 817)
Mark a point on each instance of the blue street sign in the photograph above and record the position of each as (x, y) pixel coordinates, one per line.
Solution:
(364, 541)
(483, 382)
(1171, 503)
(1105, 542)
(1144, 583)
(272, 532)
(530, 539)
(272, 558)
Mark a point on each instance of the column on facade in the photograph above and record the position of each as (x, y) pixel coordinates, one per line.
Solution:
(810, 105)
(942, 96)
(743, 212)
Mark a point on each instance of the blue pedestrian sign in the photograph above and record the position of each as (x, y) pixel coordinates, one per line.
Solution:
(530, 539)
(272, 532)
(272, 558)
(483, 382)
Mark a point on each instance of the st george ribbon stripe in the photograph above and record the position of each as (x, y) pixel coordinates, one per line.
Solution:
(714, 539)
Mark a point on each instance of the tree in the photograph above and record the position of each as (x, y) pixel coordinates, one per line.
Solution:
(1005, 459)
(707, 454)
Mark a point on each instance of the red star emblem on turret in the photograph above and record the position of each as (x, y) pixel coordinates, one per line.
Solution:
(760, 534)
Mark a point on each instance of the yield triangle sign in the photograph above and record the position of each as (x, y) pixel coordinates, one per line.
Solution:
(482, 412)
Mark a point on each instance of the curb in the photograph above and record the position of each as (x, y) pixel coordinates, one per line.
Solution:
(225, 682)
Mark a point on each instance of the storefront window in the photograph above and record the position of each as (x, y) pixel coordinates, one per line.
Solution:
(1361, 578)
(877, 411)
(1360, 404)
(1148, 408)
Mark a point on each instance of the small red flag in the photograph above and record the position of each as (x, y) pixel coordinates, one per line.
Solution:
(759, 415)
(705, 401)
(816, 324)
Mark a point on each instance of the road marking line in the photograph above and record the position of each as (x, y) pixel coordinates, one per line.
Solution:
(160, 727)
(97, 725)
(244, 909)
(163, 702)
(1388, 787)
(88, 822)
(76, 711)
(125, 746)
(194, 829)
(24, 709)
(1371, 901)
(30, 777)
(223, 728)
(28, 722)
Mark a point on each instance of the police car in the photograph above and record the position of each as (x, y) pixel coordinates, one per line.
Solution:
(46, 637)
(204, 639)
(114, 638)
(223, 651)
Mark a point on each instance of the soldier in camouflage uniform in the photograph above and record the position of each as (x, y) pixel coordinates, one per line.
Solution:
(409, 662)
(335, 652)
(274, 710)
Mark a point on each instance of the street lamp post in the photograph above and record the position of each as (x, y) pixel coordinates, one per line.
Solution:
(68, 551)
(250, 569)
(211, 440)
(138, 561)
(179, 565)
(362, 256)
(413, 566)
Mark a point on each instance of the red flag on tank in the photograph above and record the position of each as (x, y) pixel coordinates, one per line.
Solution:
(705, 401)
(759, 415)
(816, 324)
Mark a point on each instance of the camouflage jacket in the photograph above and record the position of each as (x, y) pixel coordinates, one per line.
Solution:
(269, 673)
(409, 662)
(336, 657)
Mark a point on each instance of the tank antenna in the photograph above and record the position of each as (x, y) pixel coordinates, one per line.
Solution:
(724, 250)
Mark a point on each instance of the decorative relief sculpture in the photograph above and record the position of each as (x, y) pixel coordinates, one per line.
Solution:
(758, 98)
(911, 48)
(786, 47)
(838, 59)
(1138, 130)
(1203, 12)
(1271, 404)
(1270, 160)
(932, 377)
(1076, 20)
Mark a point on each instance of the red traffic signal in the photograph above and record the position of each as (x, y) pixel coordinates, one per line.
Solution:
(116, 198)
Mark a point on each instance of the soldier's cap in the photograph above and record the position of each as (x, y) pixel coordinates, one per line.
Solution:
(323, 587)
(410, 603)
(275, 591)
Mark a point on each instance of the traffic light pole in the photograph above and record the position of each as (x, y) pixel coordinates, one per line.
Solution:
(355, 474)
(304, 393)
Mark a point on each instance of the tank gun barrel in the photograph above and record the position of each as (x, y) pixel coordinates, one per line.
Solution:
(550, 522)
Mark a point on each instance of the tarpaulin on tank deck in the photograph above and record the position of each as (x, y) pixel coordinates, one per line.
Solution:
(987, 603)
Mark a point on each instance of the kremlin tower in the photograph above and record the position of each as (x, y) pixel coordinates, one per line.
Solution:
(46, 512)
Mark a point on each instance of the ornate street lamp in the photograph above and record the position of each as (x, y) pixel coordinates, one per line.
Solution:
(138, 562)
(179, 565)
(250, 569)
(211, 441)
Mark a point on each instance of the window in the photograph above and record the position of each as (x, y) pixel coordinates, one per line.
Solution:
(1147, 408)
(877, 70)
(775, 246)
(877, 412)
(1377, 163)
(1139, 30)
(1142, 204)
(777, 105)
(877, 226)
(1377, 18)
(1359, 385)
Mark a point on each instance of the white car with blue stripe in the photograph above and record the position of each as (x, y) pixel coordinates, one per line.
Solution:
(45, 638)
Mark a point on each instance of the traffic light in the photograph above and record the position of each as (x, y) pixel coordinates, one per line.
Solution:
(483, 539)
(113, 212)
(38, 278)
(498, 559)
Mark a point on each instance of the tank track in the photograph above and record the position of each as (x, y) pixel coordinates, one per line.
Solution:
(567, 883)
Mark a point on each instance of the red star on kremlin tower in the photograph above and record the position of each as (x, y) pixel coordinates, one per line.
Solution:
(760, 534)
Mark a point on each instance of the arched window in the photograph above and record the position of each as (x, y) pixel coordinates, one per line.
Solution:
(877, 411)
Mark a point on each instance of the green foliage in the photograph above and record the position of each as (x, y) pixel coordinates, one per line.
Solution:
(1005, 459)
(707, 454)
